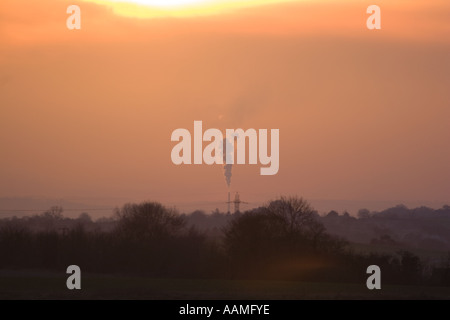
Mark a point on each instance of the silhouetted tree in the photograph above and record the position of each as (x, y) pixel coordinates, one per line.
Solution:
(332, 214)
(85, 217)
(297, 218)
(52, 217)
(148, 220)
(363, 214)
(286, 232)
(411, 267)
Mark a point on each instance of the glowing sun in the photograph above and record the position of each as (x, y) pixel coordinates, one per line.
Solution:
(164, 3)
(178, 8)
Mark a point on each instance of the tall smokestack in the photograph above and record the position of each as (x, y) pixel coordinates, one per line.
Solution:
(226, 149)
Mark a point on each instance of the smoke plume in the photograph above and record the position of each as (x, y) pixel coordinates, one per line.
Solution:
(227, 148)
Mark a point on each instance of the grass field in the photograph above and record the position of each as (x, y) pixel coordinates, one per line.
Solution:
(423, 254)
(45, 285)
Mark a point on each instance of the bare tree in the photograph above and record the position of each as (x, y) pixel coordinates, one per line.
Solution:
(52, 218)
(148, 220)
(54, 213)
(297, 216)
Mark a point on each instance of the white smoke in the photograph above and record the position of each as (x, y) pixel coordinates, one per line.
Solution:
(227, 149)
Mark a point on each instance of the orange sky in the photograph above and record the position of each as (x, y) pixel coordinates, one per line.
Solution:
(363, 115)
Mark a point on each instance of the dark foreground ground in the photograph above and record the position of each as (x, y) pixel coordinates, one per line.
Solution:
(45, 285)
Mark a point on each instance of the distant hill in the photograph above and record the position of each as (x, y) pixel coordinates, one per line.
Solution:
(27, 206)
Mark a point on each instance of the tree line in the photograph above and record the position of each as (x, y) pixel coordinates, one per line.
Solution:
(283, 240)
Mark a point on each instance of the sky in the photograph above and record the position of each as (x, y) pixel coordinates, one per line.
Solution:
(88, 114)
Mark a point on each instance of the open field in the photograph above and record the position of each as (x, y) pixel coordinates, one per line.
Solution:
(45, 285)
(423, 254)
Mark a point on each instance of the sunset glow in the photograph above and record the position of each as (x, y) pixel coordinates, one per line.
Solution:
(179, 8)
(164, 3)
(215, 150)
(362, 114)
